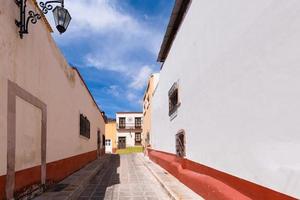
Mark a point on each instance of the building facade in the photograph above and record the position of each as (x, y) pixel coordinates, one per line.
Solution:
(227, 102)
(129, 129)
(110, 136)
(147, 108)
(50, 125)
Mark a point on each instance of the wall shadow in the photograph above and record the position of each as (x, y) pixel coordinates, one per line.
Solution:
(101, 185)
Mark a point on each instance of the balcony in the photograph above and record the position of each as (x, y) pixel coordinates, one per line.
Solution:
(129, 126)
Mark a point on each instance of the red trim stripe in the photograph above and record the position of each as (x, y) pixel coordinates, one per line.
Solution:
(211, 183)
(56, 171)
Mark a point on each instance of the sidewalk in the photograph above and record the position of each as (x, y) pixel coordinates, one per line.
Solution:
(175, 189)
(72, 186)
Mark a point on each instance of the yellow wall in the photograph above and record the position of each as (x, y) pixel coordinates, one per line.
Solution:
(147, 107)
(110, 133)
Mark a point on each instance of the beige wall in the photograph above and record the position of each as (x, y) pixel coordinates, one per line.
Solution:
(28, 135)
(147, 107)
(111, 132)
(36, 65)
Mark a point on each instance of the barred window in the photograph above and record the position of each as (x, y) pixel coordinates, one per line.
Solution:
(84, 126)
(173, 99)
(138, 122)
(180, 144)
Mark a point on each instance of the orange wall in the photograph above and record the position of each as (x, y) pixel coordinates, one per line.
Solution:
(110, 133)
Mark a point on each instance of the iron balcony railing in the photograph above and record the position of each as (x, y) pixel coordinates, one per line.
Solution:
(129, 126)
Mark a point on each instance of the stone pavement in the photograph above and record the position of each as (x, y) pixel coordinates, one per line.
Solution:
(73, 185)
(127, 178)
(173, 186)
(115, 177)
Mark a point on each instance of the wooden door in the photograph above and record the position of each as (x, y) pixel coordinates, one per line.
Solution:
(122, 143)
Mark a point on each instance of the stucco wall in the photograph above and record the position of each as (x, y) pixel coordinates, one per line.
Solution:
(36, 65)
(28, 135)
(111, 132)
(129, 133)
(237, 63)
(129, 117)
(130, 138)
(147, 106)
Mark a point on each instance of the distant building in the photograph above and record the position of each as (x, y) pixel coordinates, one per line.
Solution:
(129, 129)
(50, 124)
(147, 108)
(226, 111)
(110, 136)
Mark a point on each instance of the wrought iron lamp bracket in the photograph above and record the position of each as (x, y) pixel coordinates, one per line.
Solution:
(46, 6)
(32, 16)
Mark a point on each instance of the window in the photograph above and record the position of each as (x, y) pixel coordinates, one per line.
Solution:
(103, 140)
(148, 102)
(173, 99)
(107, 142)
(122, 122)
(84, 126)
(138, 122)
(138, 138)
(148, 137)
(180, 143)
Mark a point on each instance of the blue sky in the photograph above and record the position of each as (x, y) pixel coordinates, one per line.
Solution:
(114, 44)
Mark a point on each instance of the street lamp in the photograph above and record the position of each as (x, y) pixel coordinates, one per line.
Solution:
(61, 15)
(62, 18)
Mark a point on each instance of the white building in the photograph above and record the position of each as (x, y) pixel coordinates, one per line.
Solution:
(129, 129)
(228, 99)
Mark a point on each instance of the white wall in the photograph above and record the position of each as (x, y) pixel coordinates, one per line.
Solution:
(130, 138)
(129, 117)
(129, 134)
(237, 63)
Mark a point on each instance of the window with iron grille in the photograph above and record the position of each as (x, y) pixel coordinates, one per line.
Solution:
(84, 126)
(138, 122)
(173, 99)
(122, 122)
(138, 138)
(180, 144)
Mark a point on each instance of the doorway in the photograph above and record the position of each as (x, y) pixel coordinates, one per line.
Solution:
(108, 146)
(122, 143)
(98, 144)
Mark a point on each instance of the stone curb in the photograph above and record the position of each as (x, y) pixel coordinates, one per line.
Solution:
(170, 193)
(76, 182)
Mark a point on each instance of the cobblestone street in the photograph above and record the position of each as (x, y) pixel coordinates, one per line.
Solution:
(125, 178)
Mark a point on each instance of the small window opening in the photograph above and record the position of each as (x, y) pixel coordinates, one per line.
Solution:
(173, 99)
(180, 144)
(84, 126)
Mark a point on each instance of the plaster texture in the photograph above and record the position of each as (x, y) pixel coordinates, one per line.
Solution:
(237, 64)
(37, 66)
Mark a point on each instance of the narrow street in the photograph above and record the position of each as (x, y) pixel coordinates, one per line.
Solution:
(126, 178)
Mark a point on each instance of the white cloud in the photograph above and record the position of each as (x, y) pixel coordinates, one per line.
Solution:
(114, 90)
(134, 99)
(99, 15)
(113, 39)
(140, 79)
(106, 17)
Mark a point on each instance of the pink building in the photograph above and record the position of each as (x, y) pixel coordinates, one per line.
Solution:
(50, 125)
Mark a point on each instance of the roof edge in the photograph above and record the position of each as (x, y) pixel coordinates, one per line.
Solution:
(178, 13)
(101, 112)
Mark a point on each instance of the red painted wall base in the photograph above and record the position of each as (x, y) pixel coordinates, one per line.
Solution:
(56, 171)
(211, 183)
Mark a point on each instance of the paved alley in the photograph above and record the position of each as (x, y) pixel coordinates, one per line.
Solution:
(126, 178)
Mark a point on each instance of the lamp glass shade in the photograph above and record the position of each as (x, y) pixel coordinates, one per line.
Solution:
(62, 18)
